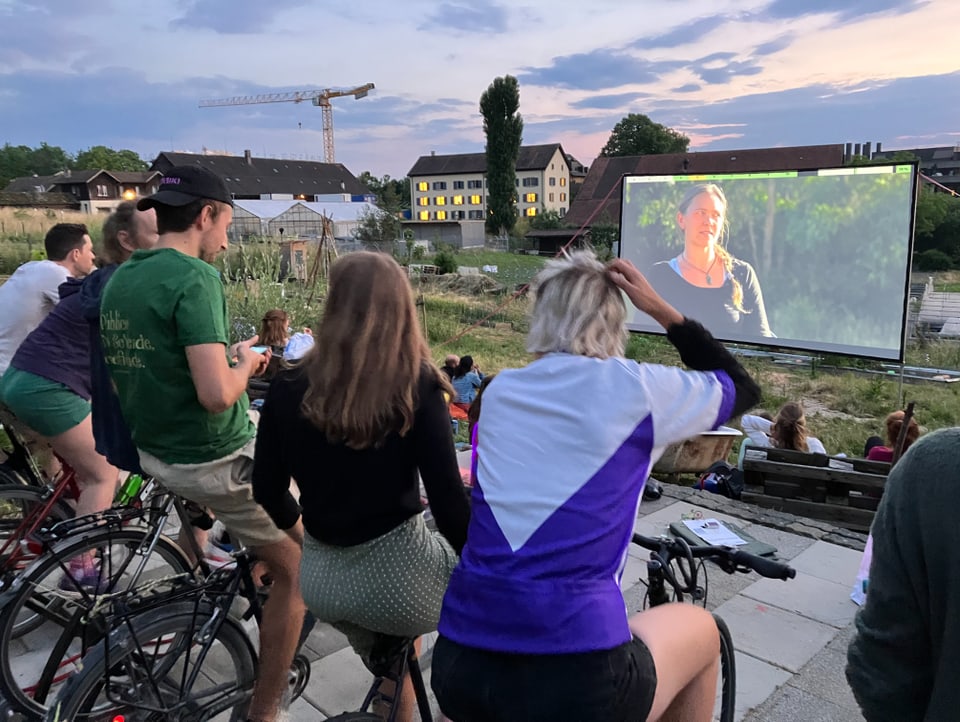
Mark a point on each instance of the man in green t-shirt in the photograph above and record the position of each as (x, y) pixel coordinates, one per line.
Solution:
(183, 393)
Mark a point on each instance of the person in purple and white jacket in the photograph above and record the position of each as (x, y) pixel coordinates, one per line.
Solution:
(533, 624)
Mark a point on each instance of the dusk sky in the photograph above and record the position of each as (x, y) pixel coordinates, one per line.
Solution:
(729, 73)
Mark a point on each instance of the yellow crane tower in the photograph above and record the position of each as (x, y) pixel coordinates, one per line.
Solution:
(319, 98)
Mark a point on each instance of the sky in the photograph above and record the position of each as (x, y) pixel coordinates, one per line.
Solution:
(730, 74)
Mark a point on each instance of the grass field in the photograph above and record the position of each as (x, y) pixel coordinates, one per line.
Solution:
(843, 407)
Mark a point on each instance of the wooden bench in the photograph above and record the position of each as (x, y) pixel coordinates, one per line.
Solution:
(842, 490)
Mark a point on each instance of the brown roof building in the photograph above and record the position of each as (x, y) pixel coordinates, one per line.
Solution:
(598, 199)
(250, 178)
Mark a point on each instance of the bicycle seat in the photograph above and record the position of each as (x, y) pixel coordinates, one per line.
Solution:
(386, 654)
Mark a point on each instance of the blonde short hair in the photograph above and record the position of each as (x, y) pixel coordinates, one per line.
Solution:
(577, 309)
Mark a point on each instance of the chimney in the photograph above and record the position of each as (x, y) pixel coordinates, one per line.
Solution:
(866, 149)
(856, 149)
(848, 151)
(879, 151)
(248, 157)
(433, 152)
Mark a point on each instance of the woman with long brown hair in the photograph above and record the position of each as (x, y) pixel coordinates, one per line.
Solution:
(705, 281)
(274, 330)
(357, 426)
(788, 430)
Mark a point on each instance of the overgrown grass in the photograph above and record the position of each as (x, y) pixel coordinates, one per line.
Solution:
(22, 231)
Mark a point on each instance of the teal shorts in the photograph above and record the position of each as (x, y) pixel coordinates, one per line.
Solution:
(47, 407)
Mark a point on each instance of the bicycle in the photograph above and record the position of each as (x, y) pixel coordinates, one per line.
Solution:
(46, 619)
(670, 556)
(180, 655)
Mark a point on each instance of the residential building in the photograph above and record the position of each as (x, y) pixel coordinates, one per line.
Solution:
(446, 188)
(93, 191)
(278, 179)
(941, 164)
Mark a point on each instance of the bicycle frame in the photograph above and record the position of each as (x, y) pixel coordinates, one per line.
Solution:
(17, 546)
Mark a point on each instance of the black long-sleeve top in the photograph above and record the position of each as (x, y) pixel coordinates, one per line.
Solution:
(350, 496)
(700, 351)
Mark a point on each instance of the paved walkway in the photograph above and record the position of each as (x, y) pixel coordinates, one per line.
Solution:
(791, 637)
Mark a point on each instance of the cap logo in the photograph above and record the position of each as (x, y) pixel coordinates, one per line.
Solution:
(170, 180)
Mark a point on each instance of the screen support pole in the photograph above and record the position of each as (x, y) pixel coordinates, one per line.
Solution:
(900, 393)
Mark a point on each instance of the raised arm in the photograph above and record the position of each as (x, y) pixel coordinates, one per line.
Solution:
(698, 349)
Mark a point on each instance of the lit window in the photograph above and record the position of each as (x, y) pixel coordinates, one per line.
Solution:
(423, 185)
(458, 200)
(441, 215)
(530, 198)
(440, 200)
(563, 197)
(424, 215)
(563, 181)
(532, 211)
(475, 200)
(423, 201)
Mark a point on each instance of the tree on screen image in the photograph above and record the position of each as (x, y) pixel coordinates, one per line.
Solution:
(828, 252)
(636, 134)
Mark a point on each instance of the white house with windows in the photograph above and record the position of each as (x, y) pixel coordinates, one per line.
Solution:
(446, 188)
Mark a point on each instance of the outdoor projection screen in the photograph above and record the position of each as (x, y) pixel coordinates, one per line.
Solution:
(823, 255)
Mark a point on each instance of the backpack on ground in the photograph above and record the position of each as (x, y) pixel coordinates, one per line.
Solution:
(722, 478)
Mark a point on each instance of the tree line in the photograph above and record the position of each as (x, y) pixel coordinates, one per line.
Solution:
(17, 161)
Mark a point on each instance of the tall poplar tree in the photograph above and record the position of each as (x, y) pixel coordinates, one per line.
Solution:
(503, 126)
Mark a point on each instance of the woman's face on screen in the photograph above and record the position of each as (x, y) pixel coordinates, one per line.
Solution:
(702, 221)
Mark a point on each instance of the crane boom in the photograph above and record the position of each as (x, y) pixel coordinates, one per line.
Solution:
(319, 98)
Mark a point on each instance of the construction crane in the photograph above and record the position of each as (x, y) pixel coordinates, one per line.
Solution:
(319, 98)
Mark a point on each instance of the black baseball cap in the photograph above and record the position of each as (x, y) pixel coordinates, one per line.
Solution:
(184, 184)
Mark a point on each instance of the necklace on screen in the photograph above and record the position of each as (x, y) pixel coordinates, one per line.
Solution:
(706, 274)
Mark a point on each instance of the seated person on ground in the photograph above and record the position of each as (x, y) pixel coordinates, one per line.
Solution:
(466, 380)
(874, 448)
(450, 364)
(534, 625)
(787, 431)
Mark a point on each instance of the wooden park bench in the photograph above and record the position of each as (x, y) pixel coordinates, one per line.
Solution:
(841, 490)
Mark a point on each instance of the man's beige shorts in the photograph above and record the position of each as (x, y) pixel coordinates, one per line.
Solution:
(223, 486)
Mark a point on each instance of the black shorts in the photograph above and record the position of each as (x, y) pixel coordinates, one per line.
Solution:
(474, 685)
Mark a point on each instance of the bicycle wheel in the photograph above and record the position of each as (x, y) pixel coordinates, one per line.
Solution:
(44, 628)
(19, 502)
(160, 670)
(728, 674)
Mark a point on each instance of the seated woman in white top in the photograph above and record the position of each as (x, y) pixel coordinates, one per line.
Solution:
(787, 431)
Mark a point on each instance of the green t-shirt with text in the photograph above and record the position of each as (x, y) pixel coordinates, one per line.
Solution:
(155, 305)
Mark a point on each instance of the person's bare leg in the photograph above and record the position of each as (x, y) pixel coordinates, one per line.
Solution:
(685, 645)
(96, 476)
(407, 696)
(280, 627)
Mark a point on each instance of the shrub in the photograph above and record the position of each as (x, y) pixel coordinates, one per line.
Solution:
(445, 261)
(932, 260)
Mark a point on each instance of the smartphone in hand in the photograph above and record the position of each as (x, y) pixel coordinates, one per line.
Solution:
(259, 349)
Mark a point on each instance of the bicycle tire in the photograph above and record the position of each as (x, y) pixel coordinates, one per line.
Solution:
(9, 475)
(163, 699)
(728, 672)
(17, 501)
(61, 638)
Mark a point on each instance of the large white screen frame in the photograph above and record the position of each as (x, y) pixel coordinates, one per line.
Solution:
(829, 250)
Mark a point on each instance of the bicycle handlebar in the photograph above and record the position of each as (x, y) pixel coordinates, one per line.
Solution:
(730, 559)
